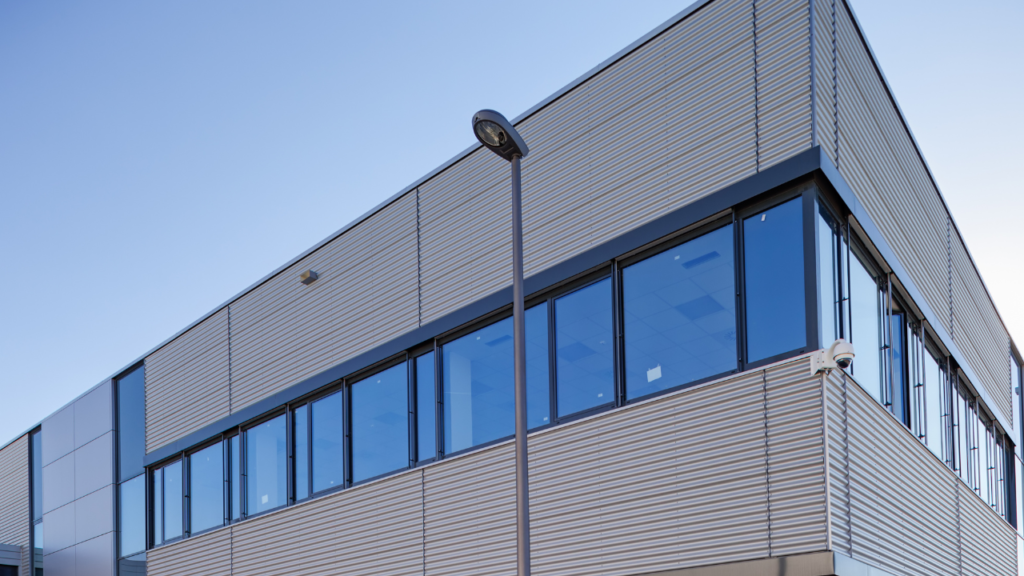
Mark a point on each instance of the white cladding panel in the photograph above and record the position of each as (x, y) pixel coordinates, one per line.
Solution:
(14, 498)
(188, 382)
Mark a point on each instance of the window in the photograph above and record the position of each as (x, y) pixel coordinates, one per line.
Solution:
(206, 488)
(131, 423)
(266, 467)
(865, 329)
(896, 361)
(132, 516)
(679, 311)
(829, 277)
(935, 409)
(774, 280)
(328, 443)
(986, 467)
(426, 408)
(584, 348)
(300, 451)
(380, 423)
(167, 503)
(538, 381)
(235, 478)
(966, 448)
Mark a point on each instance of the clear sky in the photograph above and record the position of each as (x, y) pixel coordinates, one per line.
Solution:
(157, 158)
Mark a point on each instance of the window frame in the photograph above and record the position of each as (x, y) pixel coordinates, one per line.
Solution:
(349, 381)
(244, 459)
(186, 485)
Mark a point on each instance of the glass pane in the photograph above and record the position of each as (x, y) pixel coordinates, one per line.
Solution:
(236, 479)
(206, 488)
(538, 382)
(774, 279)
(266, 466)
(680, 314)
(37, 475)
(328, 443)
(131, 422)
(984, 452)
(583, 347)
(934, 411)
(300, 449)
(158, 507)
(828, 278)
(1019, 500)
(866, 332)
(133, 516)
(1017, 423)
(380, 423)
(899, 368)
(37, 536)
(426, 408)
(478, 388)
(173, 501)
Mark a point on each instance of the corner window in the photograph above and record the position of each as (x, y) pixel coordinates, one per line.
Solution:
(773, 267)
(266, 482)
(829, 277)
(206, 488)
(584, 348)
(380, 423)
(679, 311)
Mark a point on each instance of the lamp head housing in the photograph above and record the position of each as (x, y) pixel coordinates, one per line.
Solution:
(498, 135)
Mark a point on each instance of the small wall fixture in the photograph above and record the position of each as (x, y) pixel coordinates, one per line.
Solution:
(308, 277)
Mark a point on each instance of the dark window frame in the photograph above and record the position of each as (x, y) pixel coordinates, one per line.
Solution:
(244, 460)
(396, 360)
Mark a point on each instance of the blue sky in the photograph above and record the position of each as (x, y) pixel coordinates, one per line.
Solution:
(156, 158)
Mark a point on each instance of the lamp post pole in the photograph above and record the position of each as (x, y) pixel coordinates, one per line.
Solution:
(519, 338)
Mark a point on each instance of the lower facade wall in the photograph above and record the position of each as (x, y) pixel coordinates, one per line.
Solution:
(727, 471)
(14, 499)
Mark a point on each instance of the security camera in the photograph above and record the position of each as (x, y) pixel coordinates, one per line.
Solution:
(838, 355)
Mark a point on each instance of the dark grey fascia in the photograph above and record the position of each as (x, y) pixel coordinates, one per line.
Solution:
(812, 161)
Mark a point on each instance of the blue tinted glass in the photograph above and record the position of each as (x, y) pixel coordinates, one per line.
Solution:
(680, 314)
(266, 468)
(899, 379)
(538, 387)
(300, 450)
(865, 331)
(426, 404)
(37, 475)
(158, 507)
(328, 443)
(236, 479)
(37, 539)
(774, 279)
(173, 501)
(380, 423)
(583, 347)
(828, 278)
(133, 516)
(131, 422)
(206, 488)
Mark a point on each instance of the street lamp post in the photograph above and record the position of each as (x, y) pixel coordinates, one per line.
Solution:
(497, 134)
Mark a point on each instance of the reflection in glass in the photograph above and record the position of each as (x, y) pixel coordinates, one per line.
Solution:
(328, 443)
(898, 375)
(583, 347)
(300, 450)
(173, 501)
(132, 511)
(236, 479)
(936, 413)
(380, 423)
(206, 488)
(131, 422)
(774, 281)
(680, 314)
(538, 381)
(158, 507)
(828, 277)
(985, 465)
(37, 475)
(426, 404)
(865, 330)
(266, 466)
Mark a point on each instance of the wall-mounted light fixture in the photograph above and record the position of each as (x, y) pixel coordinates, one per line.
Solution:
(308, 277)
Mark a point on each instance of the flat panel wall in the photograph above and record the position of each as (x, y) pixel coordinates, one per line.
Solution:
(14, 498)
(187, 382)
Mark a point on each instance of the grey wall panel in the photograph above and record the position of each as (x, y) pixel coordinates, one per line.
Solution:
(469, 515)
(839, 462)
(796, 460)
(59, 434)
(94, 468)
(58, 481)
(187, 382)
(62, 564)
(59, 529)
(988, 545)
(284, 331)
(14, 493)
(824, 76)
(93, 417)
(94, 557)
(783, 79)
(94, 514)
(206, 555)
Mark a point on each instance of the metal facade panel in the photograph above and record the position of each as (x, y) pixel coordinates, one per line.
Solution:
(187, 382)
(988, 545)
(469, 515)
(783, 32)
(285, 331)
(839, 461)
(667, 484)
(206, 555)
(14, 498)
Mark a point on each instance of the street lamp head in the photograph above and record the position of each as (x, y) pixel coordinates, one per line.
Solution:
(497, 134)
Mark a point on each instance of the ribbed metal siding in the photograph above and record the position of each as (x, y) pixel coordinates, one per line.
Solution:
(187, 382)
(285, 331)
(879, 161)
(978, 333)
(839, 462)
(14, 498)
(469, 515)
(795, 460)
(783, 79)
(989, 545)
(824, 77)
(206, 555)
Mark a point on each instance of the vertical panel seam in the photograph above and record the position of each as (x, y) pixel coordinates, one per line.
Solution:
(423, 520)
(949, 276)
(825, 462)
(846, 462)
(767, 474)
(231, 408)
(835, 86)
(419, 264)
(959, 532)
(757, 102)
(814, 68)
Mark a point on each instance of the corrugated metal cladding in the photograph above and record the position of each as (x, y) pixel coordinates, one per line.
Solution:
(877, 157)
(14, 498)
(187, 382)
(825, 76)
(679, 481)
(896, 506)
(208, 555)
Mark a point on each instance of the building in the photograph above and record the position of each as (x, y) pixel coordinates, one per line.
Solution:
(758, 195)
